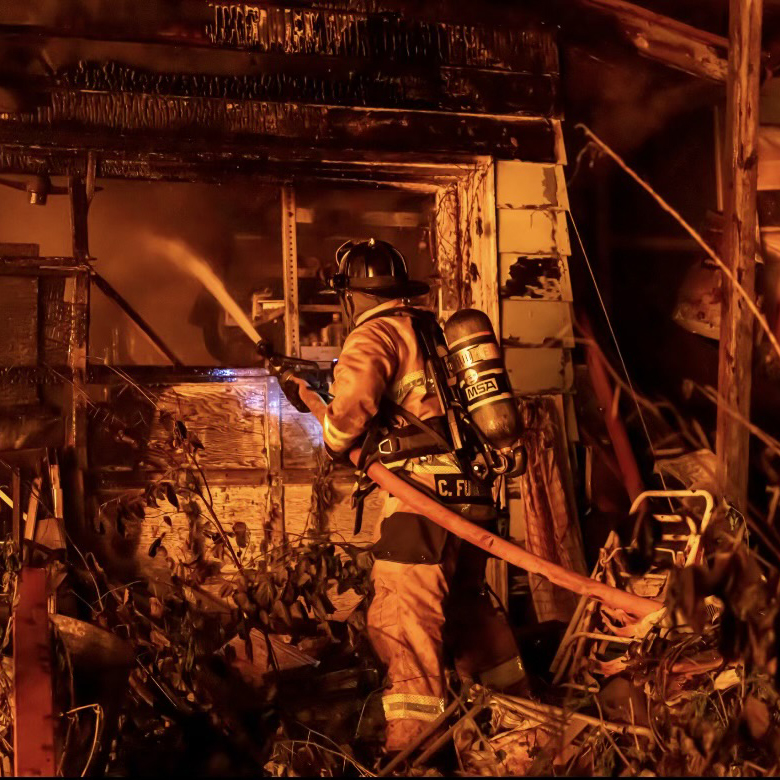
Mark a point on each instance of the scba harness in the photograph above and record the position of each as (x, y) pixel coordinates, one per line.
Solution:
(407, 445)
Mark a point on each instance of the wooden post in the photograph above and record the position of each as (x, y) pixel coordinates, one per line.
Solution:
(77, 297)
(16, 498)
(273, 421)
(33, 696)
(739, 245)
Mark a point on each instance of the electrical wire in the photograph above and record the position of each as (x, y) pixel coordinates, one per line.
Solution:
(617, 345)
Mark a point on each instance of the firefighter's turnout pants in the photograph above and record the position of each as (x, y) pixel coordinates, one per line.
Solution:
(418, 607)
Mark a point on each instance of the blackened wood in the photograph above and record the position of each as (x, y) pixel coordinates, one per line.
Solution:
(18, 339)
(739, 246)
(76, 299)
(452, 33)
(178, 160)
(79, 205)
(667, 40)
(38, 266)
(16, 497)
(335, 81)
(198, 124)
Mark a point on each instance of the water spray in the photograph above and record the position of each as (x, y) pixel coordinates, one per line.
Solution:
(178, 253)
(284, 367)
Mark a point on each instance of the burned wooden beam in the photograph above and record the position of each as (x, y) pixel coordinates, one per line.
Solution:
(667, 40)
(16, 505)
(39, 266)
(739, 248)
(263, 125)
(408, 33)
(443, 88)
(185, 162)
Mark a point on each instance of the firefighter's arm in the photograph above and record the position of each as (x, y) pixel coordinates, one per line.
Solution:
(367, 364)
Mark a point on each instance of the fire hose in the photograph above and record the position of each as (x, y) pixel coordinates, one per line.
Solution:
(479, 537)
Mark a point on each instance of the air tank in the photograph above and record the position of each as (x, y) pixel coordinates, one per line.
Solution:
(474, 359)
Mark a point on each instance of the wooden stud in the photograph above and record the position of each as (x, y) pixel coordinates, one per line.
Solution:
(739, 247)
(274, 445)
(32, 517)
(76, 296)
(16, 508)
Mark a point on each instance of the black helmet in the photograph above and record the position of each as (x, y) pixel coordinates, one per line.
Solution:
(374, 267)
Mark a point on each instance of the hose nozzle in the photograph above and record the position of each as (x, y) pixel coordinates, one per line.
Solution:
(264, 349)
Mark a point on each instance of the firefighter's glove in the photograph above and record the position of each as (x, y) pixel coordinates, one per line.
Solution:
(290, 385)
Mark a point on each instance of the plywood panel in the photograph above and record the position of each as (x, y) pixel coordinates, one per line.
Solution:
(301, 436)
(59, 318)
(539, 370)
(536, 324)
(228, 418)
(523, 185)
(249, 504)
(535, 277)
(340, 521)
(533, 231)
(232, 504)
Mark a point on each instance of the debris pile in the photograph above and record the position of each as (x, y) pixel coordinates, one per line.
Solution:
(238, 662)
(693, 691)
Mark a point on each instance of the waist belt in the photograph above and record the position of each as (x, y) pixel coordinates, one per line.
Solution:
(406, 443)
(415, 440)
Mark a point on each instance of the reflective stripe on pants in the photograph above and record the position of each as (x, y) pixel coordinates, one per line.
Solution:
(398, 706)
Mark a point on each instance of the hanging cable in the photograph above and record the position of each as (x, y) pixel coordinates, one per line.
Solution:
(617, 345)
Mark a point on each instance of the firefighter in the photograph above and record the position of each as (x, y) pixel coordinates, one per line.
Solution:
(428, 585)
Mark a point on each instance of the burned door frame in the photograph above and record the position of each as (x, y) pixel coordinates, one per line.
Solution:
(465, 255)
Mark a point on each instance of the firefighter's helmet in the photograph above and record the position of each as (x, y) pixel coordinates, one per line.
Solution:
(374, 267)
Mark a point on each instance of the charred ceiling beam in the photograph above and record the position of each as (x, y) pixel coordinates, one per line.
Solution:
(490, 34)
(379, 85)
(204, 123)
(667, 40)
(348, 80)
(392, 77)
(332, 56)
(172, 161)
